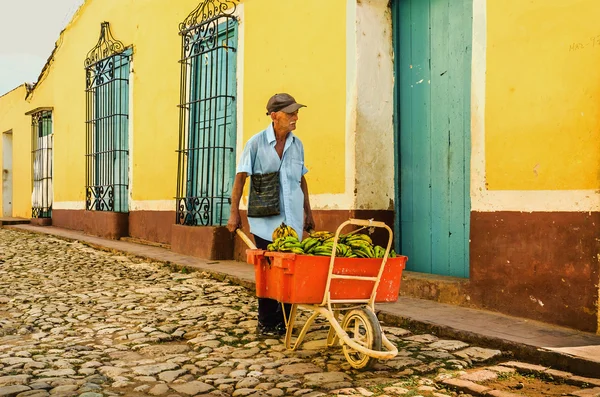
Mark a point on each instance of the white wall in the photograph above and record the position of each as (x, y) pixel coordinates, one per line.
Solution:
(374, 150)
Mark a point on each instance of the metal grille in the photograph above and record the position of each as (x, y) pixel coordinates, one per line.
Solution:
(107, 119)
(207, 130)
(41, 155)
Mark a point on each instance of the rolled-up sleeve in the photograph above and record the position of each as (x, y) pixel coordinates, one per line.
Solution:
(245, 163)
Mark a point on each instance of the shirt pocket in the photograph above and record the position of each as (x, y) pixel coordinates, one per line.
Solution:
(295, 170)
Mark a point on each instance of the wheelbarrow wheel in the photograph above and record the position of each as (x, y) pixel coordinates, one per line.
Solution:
(362, 327)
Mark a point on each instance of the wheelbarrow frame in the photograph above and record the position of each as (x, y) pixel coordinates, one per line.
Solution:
(357, 309)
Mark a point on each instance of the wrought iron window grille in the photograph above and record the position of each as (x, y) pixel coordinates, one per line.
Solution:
(41, 161)
(207, 130)
(107, 118)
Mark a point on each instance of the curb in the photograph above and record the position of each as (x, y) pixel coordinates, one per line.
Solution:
(523, 352)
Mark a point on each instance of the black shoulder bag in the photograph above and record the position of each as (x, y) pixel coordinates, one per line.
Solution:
(264, 198)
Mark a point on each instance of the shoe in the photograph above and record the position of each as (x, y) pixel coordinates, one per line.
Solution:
(281, 329)
(270, 330)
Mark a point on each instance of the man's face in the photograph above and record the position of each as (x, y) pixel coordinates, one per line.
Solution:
(285, 121)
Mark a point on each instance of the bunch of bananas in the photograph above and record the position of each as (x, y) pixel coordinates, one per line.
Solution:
(284, 231)
(351, 245)
(286, 244)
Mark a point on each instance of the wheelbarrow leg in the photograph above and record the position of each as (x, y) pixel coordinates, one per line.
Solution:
(332, 337)
(290, 329)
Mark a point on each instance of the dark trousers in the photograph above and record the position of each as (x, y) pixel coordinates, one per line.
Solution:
(270, 313)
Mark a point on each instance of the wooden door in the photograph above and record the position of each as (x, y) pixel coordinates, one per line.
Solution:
(433, 76)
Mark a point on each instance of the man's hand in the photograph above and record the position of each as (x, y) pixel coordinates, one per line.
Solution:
(309, 223)
(235, 221)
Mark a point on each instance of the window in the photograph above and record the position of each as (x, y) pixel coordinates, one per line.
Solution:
(207, 124)
(41, 155)
(107, 125)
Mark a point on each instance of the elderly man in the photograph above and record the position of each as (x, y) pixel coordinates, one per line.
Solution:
(275, 149)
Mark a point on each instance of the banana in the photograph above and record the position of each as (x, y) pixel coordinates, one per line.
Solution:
(284, 230)
(291, 232)
(322, 235)
(379, 251)
(356, 237)
(322, 250)
(364, 251)
(342, 250)
(358, 244)
(277, 233)
(320, 243)
(310, 243)
(312, 247)
(361, 253)
(370, 252)
(290, 244)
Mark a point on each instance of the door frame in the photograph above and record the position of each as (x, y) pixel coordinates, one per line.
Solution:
(7, 167)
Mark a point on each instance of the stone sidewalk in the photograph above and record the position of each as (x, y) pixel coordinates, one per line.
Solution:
(555, 347)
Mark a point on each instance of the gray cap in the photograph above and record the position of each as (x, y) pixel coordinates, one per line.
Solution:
(284, 103)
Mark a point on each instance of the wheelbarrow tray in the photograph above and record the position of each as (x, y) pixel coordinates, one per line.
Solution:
(292, 278)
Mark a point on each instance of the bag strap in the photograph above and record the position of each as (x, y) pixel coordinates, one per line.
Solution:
(280, 162)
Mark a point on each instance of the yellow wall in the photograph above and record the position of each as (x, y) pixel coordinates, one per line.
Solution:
(155, 84)
(309, 63)
(542, 119)
(12, 117)
(299, 47)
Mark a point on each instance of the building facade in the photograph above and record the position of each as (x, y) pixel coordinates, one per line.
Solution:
(470, 126)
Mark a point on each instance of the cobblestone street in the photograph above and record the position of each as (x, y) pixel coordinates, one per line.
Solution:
(78, 321)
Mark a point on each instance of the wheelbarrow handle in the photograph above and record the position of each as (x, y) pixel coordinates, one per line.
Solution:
(243, 236)
(367, 223)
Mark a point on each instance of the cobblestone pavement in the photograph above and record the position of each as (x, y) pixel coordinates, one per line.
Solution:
(77, 321)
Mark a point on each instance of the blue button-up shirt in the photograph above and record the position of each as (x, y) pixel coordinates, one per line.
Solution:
(260, 157)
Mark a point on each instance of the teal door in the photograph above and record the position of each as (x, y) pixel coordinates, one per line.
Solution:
(432, 43)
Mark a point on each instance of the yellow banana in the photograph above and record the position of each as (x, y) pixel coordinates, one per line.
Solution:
(279, 231)
(291, 232)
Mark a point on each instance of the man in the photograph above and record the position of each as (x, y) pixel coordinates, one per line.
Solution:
(275, 149)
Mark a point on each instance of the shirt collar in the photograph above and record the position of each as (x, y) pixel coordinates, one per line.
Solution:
(271, 134)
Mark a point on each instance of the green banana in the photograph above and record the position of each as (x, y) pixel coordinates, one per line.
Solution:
(356, 237)
(310, 244)
(379, 251)
(364, 251)
(312, 249)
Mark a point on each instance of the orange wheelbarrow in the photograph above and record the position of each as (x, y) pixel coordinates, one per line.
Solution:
(343, 290)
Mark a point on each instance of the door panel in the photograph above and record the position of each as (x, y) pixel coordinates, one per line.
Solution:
(433, 49)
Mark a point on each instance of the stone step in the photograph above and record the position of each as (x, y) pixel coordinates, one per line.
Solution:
(14, 221)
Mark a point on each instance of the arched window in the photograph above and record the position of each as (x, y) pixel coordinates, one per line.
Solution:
(207, 118)
(107, 124)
